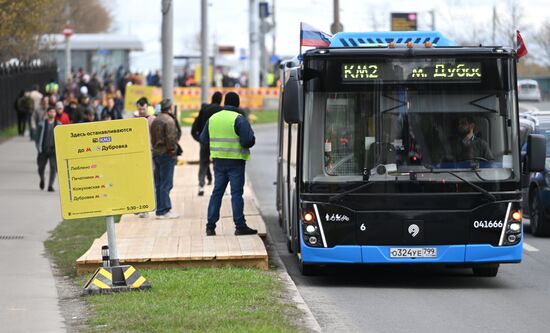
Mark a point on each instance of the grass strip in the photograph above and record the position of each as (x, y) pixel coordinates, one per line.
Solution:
(229, 299)
(196, 300)
(8, 132)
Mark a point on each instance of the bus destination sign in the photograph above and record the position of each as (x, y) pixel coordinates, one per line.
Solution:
(411, 71)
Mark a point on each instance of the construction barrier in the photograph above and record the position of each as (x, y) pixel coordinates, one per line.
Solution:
(189, 98)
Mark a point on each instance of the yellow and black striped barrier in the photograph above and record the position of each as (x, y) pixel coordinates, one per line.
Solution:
(115, 278)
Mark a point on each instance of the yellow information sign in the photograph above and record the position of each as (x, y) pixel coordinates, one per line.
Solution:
(104, 168)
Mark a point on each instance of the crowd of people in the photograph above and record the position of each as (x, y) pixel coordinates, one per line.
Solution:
(84, 98)
(224, 133)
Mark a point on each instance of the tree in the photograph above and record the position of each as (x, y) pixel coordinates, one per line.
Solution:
(543, 40)
(510, 20)
(20, 23)
(24, 22)
(85, 16)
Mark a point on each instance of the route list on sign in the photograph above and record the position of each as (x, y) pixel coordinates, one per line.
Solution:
(104, 168)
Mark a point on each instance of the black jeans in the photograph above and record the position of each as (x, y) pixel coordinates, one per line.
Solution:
(22, 119)
(204, 165)
(42, 160)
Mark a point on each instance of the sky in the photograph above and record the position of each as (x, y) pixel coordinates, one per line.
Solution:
(228, 21)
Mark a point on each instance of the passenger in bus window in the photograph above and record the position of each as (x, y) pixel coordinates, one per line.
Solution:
(470, 146)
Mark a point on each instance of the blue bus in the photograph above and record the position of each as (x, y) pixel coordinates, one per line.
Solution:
(402, 148)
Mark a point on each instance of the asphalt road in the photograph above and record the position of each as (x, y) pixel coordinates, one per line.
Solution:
(410, 299)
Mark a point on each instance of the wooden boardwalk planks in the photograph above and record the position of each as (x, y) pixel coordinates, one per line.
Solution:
(151, 243)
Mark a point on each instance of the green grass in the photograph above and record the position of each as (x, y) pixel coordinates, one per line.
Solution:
(71, 239)
(180, 300)
(196, 300)
(8, 132)
(255, 117)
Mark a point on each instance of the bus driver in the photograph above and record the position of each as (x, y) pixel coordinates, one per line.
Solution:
(469, 146)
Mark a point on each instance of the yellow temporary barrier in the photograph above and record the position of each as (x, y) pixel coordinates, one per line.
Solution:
(189, 98)
(104, 168)
(133, 93)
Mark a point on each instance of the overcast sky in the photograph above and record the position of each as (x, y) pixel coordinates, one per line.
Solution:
(228, 21)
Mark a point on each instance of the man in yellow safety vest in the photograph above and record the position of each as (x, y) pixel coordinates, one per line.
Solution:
(230, 137)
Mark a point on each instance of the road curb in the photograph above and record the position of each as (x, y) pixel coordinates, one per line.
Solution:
(308, 320)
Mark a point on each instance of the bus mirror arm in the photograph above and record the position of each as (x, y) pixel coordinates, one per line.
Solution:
(536, 152)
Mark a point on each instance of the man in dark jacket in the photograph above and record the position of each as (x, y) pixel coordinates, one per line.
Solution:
(207, 110)
(229, 136)
(45, 145)
(469, 146)
(164, 142)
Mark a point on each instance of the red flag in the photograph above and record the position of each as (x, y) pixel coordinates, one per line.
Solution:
(521, 50)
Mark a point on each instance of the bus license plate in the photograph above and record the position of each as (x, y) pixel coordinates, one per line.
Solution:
(413, 252)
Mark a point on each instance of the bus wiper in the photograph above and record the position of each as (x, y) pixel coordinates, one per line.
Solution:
(480, 189)
(343, 194)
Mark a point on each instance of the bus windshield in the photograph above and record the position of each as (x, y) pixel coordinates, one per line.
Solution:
(389, 118)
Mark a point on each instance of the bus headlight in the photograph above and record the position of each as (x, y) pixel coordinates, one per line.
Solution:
(310, 229)
(515, 227)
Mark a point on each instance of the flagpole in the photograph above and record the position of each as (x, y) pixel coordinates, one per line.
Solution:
(301, 36)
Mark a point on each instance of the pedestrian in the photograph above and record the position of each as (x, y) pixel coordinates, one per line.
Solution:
(60, 114)
(39, 114)
(230, 137)
(36, 97)
(206, 111)
(71, 110)
(45, 145)
(164, 141)
(142, 111)
(111, 112)
(142, 105)
(89, 116)
(23, 107)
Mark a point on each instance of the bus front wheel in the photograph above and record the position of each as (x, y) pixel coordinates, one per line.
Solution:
(307, 269)
(488, 270)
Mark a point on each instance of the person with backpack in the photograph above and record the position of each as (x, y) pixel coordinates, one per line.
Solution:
(24, 106)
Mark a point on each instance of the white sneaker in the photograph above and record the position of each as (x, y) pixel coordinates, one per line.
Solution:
(169, 215)
(143, 215)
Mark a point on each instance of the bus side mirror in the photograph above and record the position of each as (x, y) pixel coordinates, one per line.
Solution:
(536, 152)
(293, 104)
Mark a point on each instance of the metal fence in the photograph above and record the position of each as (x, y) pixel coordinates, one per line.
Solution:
(13, 79)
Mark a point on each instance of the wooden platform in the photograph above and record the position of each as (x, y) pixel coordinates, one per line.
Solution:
(151, 243)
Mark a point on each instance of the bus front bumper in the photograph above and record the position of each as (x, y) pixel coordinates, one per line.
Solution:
(370, 254)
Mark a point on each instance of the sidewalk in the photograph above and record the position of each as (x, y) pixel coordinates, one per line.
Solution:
(28, 295)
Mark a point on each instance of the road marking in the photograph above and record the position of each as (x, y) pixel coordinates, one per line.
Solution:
(529, 248)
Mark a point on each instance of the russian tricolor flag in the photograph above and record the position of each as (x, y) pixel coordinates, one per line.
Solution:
(309, 36)
(521, 50)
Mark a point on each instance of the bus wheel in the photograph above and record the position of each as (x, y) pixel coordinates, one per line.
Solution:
(488, 270)
(539, 226)
(307, 269)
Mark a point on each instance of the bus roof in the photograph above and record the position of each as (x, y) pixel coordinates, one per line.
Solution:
(378, 38)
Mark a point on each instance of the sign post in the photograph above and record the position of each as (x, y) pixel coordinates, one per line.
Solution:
(105, 169)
